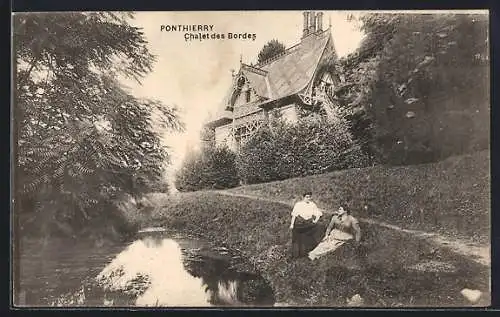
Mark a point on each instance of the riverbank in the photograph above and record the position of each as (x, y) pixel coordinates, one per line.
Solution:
(395, 269)
(480, 253)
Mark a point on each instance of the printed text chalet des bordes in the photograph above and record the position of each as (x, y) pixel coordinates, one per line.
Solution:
(203, 32)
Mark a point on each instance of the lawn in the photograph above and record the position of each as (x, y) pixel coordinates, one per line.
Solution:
(390, 269)
(451, 197)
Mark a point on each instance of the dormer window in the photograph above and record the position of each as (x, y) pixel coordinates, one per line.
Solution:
(247, 95)
(241, 82)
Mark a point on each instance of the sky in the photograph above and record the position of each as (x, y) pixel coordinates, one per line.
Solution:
(195, 75)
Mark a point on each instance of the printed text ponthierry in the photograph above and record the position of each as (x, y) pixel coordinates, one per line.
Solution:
(186, 27)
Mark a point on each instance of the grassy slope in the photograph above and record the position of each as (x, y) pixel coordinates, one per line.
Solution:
(455, 197)
(260, 230)
(451, 197)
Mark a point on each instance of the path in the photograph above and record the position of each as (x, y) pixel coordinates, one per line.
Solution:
(479, 254)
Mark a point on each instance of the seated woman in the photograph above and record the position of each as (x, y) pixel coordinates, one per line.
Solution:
(345, 223)
(342, 228)
(305, 216)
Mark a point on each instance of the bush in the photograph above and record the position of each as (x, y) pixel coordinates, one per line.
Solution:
(312, 146)
(212, 168)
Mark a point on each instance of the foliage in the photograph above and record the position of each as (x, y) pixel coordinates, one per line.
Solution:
(219, 168)
(82, 140)
(418, 86)
(270, 50)
(210, 168)
(312, 146)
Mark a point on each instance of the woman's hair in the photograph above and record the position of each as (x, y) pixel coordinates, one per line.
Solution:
(347, 210)
(307, 193)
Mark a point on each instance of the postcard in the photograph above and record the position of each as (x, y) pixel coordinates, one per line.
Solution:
(251, 159)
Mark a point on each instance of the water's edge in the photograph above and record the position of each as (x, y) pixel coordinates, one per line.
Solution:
(159, 268)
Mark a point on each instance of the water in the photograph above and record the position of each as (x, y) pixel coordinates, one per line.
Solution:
(158, 269)
(171, 269)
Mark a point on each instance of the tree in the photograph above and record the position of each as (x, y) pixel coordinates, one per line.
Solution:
(418, 86)
(349, 97)
(271, 49)
(82, 140)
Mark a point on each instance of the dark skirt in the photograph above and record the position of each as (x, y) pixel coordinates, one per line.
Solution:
(305, 237)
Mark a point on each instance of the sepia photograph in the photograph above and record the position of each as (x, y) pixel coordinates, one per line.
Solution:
(251, 159)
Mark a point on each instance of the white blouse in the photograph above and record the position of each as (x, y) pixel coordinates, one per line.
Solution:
(306, 210)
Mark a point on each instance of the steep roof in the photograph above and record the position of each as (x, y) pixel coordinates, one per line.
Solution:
(281, 76)
(290, 72)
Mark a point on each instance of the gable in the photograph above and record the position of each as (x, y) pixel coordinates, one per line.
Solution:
(321, 75)
(293, 72)
(282, 76)
(290, 72)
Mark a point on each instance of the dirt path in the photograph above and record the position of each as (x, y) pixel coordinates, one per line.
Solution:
(479, 254)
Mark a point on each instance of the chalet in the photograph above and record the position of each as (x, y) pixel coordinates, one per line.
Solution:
(292, 80)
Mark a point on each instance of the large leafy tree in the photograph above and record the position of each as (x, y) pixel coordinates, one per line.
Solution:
(83, 141)
(417, 88)
(431, 92)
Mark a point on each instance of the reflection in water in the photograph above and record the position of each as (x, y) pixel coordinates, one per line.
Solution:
(229, 287)
(155, 271)
(160, 260)
(395, 270)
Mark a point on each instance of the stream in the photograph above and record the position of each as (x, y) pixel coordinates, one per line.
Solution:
(157, 269)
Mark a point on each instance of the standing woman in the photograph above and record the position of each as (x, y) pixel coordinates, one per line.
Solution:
(305, 215)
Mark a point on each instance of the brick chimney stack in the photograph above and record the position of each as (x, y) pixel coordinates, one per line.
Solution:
(305, 31)
(312, 22)
(319, 21)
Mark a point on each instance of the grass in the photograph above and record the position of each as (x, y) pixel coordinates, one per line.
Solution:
(451, 197)
(380, 272)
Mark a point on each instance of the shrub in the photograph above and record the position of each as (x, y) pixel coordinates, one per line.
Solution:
(312, 146)
(211, 168)
(256, 161)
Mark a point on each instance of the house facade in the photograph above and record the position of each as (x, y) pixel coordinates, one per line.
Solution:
(283, 84)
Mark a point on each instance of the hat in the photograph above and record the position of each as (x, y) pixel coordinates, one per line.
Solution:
(341, 211)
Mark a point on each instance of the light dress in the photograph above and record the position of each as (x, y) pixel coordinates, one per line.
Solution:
(335, 239)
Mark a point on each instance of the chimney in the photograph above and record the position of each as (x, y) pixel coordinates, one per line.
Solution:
(319, 21)
(312, 22)
(306, 24)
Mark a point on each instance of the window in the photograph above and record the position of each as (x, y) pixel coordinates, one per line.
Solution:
(247, 95)
(241, 82)
(243, 133)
